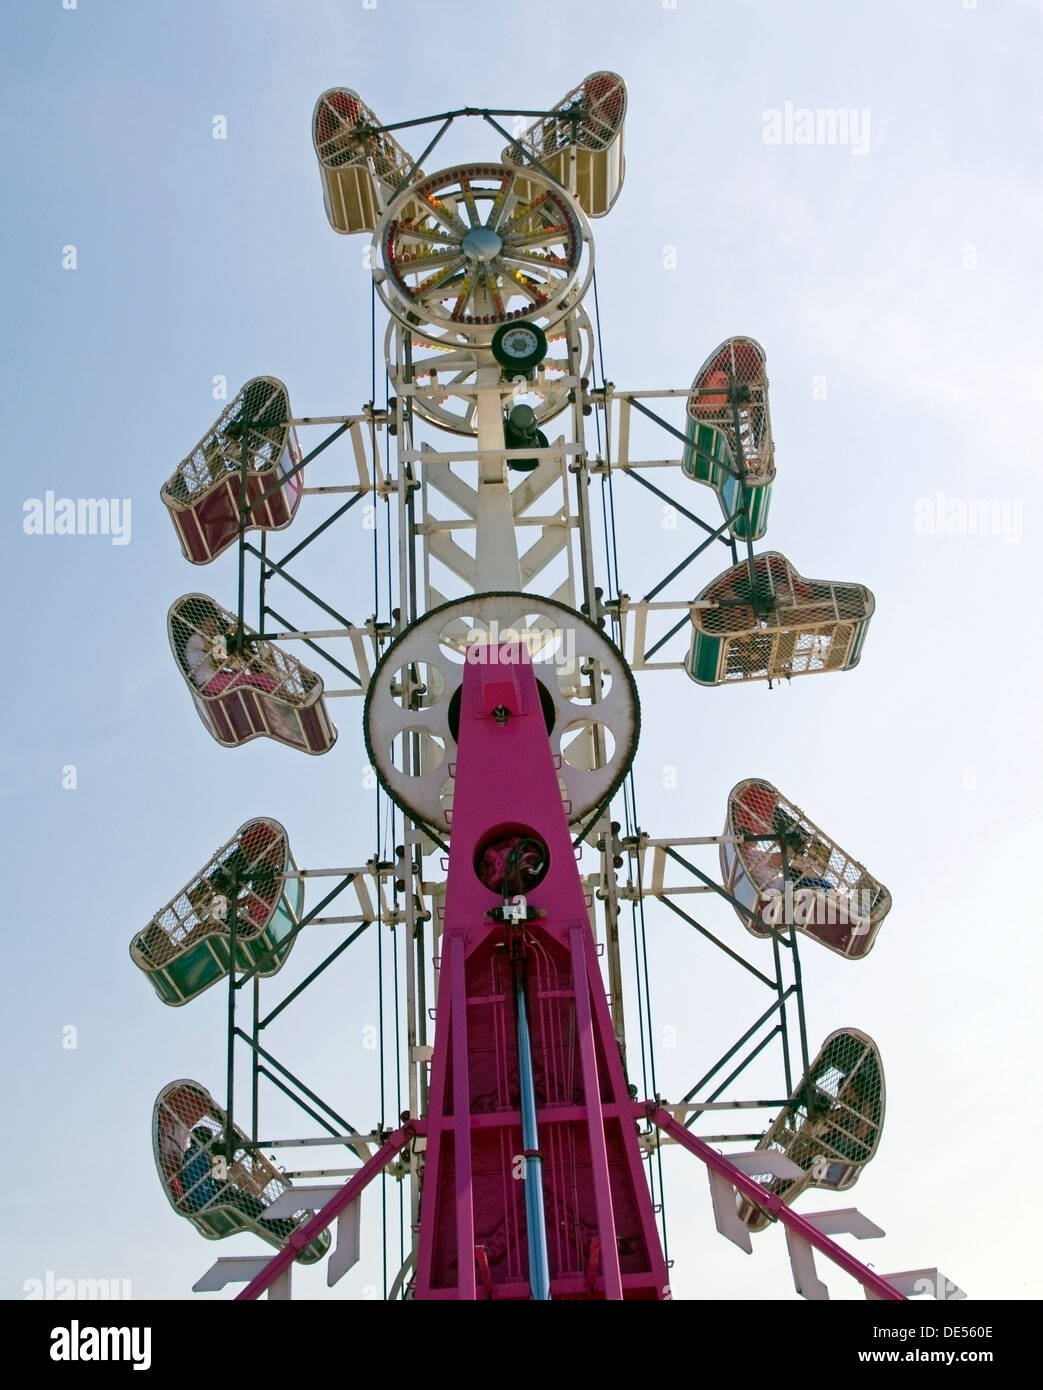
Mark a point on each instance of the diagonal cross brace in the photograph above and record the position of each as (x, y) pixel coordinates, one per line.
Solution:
(803, 1228)
(333, 1208)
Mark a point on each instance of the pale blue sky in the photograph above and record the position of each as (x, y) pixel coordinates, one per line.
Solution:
(904, 276)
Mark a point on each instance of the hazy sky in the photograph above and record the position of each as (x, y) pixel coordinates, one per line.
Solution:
(890, 277)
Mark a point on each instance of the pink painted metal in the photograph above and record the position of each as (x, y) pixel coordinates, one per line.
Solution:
(329, 1213)
(771, 1203)
(601, 1234)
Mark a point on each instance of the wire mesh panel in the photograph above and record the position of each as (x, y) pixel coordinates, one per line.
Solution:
(728, 429)
(831, 1126)
(220, 1197)
(361, 165)
(248, 456)
(187, 946)
(586, 127)
(764, 621)
(244, 686)
(789, 873)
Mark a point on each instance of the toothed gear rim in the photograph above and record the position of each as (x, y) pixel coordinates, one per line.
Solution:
(421, 646)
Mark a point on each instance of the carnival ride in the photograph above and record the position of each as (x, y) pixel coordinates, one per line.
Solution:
(501, 718)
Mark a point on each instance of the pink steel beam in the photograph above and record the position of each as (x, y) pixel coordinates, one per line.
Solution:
(333, 1208)
(467, 1283)
(771, 1203)
(596, 1123)
(602, 1240)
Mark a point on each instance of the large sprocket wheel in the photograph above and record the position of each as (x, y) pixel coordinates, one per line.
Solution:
(587, 690)
(444, 374)
(464, 252)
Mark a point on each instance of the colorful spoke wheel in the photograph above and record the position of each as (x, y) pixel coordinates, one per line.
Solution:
(479, 246)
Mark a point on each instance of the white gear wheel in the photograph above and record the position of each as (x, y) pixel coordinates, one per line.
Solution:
(587, 689)
(443, 376)
(474, 247)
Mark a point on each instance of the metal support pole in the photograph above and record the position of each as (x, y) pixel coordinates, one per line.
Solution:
(535, 1215)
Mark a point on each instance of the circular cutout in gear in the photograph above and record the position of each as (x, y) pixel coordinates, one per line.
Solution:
(585, 681)
(443, 376)
(481, 245)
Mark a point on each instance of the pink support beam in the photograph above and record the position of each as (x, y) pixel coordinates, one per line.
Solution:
(601, 1236)
(595, 1120)
(466, 1275)
(770, 1203)
(329, 1213)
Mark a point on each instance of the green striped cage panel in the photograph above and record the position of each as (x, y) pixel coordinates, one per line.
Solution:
(761, 620)
(187, 947)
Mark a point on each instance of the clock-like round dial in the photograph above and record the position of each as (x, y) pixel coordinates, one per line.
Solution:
(519, 347)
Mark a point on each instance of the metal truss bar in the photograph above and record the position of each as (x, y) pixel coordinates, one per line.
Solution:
(773, 1205)
(482, 111)
(313, 535)
(566, 448)
(314, 646)
(801, 1021)
(667, 426)
(351, 1190)
(443, 525)
(282, 1086)
(411, 175)
(296, 634)
(298, 468)
(740, 1042)
(322, 1142)
(348, 940)
(709, 1138)
(672, 633)
(696, 1107)
(680, 840)
(296, 1081)
(783, 1022)
(686, 917)
(717, 888)
(698, 521)
(272, 951)
(683, 565)
(277, 567)
(746, 1061)
(327, 420)
(513, 140)
(664, 424)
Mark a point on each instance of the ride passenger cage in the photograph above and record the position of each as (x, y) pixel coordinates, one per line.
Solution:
(581, 143)
(187, 947)
(203, 495)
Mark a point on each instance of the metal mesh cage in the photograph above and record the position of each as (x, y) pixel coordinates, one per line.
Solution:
(832, 1124)
(254, 860)
(580, 144)
(188, 1135)
(255, 425)
(776, 624)
(590, 116)
(847, 904)
(730, 393)
(345, 132)
(203, 640)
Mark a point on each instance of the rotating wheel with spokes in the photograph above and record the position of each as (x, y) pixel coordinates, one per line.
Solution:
(478, 246)
(586, 688)
(444, 376)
